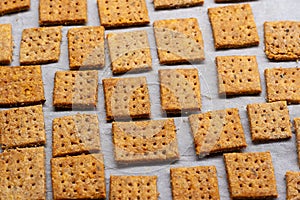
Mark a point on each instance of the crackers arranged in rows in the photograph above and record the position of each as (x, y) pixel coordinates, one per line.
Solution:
(195, 183)
(75, 134)
(22, 127)
(40, 45)
(133, 187)
(179, 91)
(145, 141)
(233, 26)
(292, 185)
(62, 12)
(10, 6)
(21, 86)
(269, 121)
(217, 131)
(129, 52)
(75, 89)
(123, 13)
(238, 75)
(283, 84)
(282, 40)
(6, 44)
(169, 4)
(78, 177)
(250, 175)
(179, 41)
(126, 98)
(23, 174)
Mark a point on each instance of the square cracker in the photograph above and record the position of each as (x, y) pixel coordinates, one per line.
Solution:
(78, 177)
(194, 183)
(269, 121)
(123, 13)
(282, 40)
(21, 86)
(217, 131)
(145, 141)
(86, 47)
(297, 130)
(283, 84)
(23, 174)
(22, 127)
(129, 52)
(75, 89)
(126, 98)
(233, 26)
(75, 134)
(133, 187)
(238, 75)
(292, 185)
(6, 44)
(9, 6)
(179, 90)
(168, 4)
(179, 41)
(40, 45)
(250, 175)
(62, 12)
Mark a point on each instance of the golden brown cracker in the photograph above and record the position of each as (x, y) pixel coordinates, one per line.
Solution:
(297, 130)
(6, 44)
(169, 4)
(12, 6)
(292, 185)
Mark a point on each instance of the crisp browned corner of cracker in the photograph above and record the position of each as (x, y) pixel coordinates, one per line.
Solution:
(238, 75)
(129, 52)
(21, 86)
(292, 185)
(123, 13)
(86, 47)
(126, 98)
(194, 183)
(145, 141)
(250, 175)
(133, 187)
(217, 131)
(75, 134)
(7, 7)
(23, 174)
(233, 26)
(62, 12)
(6, 44)
(78, 177)
(179, 41)
(171, 4)
(180, 91)
(297, 131)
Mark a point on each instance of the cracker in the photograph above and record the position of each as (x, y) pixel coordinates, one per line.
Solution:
(217, 131)
(179, 41)
(23, 174)
(126, 98)
(297, 130)
(75, 134)
(129, 52)
(78, 177)
(169, 4)
(21, 86)
(145, 141)
(75, 89)
(40, 45)
(179, 90)
(292, 185)
(9, 6)
(62, 12)
(133, 187)
(86, 47)
(22, 127)
(238, 75)
(195, 183)
(233, 26)
(121, 13)
(269, 121)
(283, 84)
(6, 44)
(250, 175)
(282, 40)
(231, 1)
